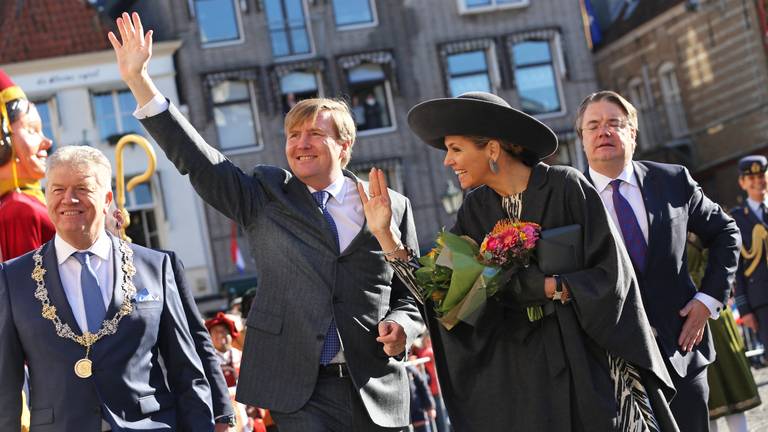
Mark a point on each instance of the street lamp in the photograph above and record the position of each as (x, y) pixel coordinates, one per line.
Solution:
(452, 198)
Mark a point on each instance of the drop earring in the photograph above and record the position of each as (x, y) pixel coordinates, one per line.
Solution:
(493, 166)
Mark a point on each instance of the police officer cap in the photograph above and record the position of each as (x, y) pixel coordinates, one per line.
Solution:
(753, 164)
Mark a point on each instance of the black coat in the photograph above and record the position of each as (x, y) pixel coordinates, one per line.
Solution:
(508, 374)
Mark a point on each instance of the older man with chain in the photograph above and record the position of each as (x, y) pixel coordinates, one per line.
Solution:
(91, 315)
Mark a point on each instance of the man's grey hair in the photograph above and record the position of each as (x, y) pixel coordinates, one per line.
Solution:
(79, 157)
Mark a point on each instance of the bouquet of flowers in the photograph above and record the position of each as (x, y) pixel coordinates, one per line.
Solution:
(459, 276)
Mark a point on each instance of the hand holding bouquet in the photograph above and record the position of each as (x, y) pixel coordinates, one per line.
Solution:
(459, 276)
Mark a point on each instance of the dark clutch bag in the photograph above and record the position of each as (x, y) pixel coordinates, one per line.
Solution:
(560, 251)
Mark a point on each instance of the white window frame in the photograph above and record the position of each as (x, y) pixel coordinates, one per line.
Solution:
(391, 109)
(374, 19)
(53, 111)
(239, 23)
(157, 197)
(491, 63)
(559, 72)
(494, 6)
(116, 107)
(259, 145)
(307, 25)
(673, 101)
(638, 97)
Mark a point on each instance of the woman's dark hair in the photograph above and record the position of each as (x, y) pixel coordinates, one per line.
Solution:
(527, 157)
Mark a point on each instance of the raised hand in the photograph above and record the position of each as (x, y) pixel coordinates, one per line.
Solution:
(134, 48)
(133, 51)
(376, 203)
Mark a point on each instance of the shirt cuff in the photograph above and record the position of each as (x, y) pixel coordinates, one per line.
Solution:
(713, 305)
(157, 105)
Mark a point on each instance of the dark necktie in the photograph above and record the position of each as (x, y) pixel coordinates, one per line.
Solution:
(92, 299)
(761, 213)
(332, 344)
(630, 228)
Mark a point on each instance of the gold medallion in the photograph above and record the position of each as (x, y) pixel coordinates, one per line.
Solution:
(83, 368)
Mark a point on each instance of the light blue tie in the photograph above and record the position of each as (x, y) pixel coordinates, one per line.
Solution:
(92, 298)
(332, 344)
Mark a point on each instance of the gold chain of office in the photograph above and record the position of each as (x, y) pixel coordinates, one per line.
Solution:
(83, 367)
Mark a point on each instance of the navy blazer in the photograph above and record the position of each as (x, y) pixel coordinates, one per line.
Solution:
(127, 379)
(675, 205)
(751, 292)
(222, 404)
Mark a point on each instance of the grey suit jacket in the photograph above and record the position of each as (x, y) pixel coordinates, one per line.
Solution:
(127, 379)
(303, 281)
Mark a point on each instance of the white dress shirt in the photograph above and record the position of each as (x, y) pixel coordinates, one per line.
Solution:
(630, 189)
(69, 271)
(755, 207)
(154, 107)
(345, 207)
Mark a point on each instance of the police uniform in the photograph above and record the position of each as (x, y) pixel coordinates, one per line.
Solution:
(751, 289)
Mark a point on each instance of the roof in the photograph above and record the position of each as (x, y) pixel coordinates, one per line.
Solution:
(37, 29)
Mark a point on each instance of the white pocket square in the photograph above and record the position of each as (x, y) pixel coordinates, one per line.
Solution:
(145, 296)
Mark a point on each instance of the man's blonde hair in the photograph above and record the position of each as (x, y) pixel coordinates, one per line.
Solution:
(307, 110)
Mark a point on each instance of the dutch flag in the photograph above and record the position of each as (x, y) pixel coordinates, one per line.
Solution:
(234, 250)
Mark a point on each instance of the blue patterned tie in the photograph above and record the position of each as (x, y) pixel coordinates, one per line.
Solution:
(92, 298)
(332, 344)
(630, 228)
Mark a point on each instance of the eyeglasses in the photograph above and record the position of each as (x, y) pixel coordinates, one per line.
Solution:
(612, 125)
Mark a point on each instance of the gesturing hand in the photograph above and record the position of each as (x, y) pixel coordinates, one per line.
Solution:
(693, 330)
(377, 207)
(134, 48)
(392, 335)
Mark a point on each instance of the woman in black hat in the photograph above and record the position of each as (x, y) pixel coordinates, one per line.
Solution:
(591, 363)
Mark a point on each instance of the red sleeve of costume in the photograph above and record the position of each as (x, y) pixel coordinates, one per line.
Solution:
(24, 225)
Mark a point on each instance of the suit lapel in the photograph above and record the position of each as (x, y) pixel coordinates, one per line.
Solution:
(302, 202)
(117, 267)
(56, 293)
(651, 191)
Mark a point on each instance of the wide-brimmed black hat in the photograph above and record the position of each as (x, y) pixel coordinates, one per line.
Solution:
(481, 114)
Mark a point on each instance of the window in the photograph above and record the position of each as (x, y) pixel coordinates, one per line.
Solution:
(673, 102)
(234, 114)
(566, 149)
(392, 167)
(140, 204)
(468, 71)
(536, 77)
(287, 27)
(472, 6)
(44, 109)
(639, 98)
(297, 85)
(370, 98)
(353, 13)
(218, 21)
(113, 112)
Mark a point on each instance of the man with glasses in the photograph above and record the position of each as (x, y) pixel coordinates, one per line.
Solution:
(655, 205)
